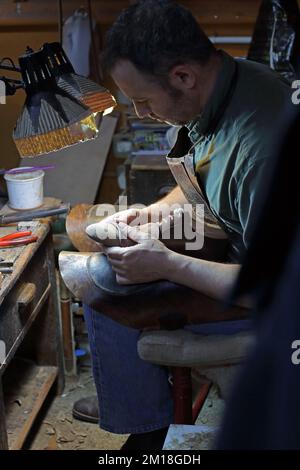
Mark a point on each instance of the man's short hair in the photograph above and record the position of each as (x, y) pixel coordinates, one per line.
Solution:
(156, 35)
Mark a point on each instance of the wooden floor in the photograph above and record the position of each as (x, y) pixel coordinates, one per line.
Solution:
(202, 435)
(58, 430)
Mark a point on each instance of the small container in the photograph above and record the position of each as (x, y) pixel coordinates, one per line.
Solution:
(25, 190)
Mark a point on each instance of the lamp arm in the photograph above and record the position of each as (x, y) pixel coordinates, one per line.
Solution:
(11, 67)
(11, 85)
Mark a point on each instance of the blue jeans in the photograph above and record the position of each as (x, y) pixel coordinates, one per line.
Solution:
(134, 395)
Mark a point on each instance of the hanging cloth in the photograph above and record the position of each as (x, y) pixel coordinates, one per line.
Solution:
(77, 41)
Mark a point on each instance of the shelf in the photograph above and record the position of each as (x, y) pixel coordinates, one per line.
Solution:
(26, 385)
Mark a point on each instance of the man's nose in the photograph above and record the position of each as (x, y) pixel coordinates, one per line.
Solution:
(142, 110)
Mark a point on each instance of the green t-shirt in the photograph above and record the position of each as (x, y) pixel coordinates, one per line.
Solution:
(232, 160)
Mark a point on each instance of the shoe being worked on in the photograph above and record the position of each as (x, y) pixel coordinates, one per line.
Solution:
(87, 409)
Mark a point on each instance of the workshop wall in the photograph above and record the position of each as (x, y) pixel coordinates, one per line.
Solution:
(13, 44)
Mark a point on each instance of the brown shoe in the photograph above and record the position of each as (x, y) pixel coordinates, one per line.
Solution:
(87, 409)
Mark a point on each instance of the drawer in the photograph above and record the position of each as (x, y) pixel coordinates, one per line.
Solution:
(24, 301)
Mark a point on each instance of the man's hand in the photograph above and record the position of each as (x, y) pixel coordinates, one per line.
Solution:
(148, 260)
(107, 229)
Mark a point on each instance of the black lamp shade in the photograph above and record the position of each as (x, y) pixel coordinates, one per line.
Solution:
(61, 108)
(96, 97)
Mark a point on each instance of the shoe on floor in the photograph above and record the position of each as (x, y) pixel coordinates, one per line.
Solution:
(153, 440)
(87, 409)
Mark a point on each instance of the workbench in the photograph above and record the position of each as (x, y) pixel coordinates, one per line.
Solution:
(29, 335)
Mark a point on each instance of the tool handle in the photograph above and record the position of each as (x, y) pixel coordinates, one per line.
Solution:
(34, 214)
(17, 242)
(12, 236)
(6, 270)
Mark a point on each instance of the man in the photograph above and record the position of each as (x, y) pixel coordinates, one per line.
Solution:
(268, 386)
(229, 111)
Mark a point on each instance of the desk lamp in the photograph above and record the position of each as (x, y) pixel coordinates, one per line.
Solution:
(61, 107)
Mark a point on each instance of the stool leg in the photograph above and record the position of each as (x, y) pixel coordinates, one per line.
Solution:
(182, 395)
(67, 328)
(200, 399)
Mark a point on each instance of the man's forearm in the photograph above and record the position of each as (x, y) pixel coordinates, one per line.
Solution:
(175, 196)
(164, 206)
(212, 279)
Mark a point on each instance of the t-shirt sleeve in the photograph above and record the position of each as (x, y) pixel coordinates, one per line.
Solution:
(250, 196)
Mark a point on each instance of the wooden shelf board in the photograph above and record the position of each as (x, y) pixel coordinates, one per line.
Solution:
(26, 387)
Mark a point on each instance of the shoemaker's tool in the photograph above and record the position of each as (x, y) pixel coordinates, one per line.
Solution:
(17, 238)
(5, 270)
(34, 214)
(6, 264)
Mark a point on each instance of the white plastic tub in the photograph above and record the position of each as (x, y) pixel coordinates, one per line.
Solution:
(25, 190)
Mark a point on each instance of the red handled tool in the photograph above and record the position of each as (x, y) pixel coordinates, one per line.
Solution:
(17, 238)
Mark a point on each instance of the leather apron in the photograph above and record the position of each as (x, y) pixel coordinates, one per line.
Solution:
(182, 169)
(181, 161)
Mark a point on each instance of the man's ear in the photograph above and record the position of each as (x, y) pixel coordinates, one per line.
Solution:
(182, 77)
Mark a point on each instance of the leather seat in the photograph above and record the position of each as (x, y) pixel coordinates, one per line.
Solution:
(214, 356)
